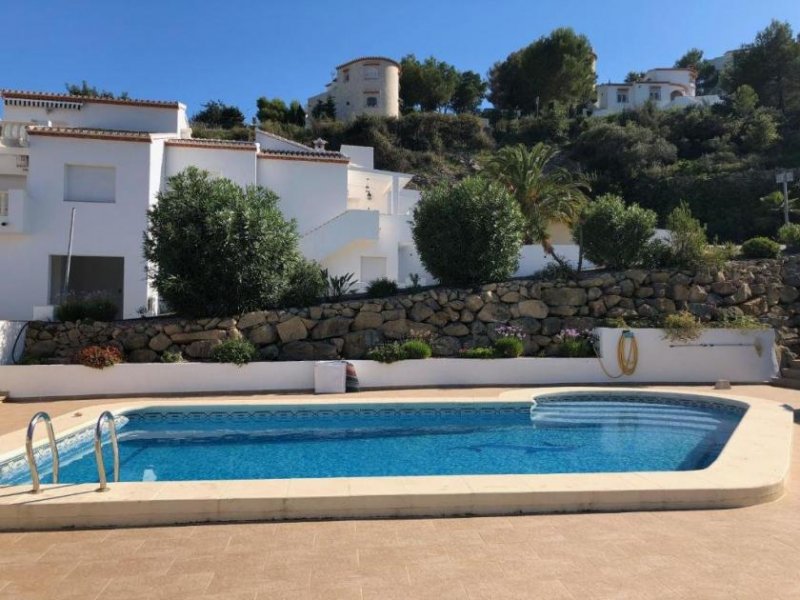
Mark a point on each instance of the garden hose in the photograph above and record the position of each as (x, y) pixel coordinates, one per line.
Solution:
(627, 355)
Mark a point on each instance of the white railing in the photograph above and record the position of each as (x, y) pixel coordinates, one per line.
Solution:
(14, 133)
(3, 204)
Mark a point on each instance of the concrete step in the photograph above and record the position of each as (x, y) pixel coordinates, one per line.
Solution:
(786, 382)
(794, 364)
(792, 373)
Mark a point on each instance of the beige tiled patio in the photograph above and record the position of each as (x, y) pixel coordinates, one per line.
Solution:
(742, 553)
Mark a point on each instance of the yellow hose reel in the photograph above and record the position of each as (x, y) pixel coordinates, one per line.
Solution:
(627, 355)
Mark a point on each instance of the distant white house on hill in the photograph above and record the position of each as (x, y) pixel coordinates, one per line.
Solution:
(363, 86)
(109, 158)
(665, 87)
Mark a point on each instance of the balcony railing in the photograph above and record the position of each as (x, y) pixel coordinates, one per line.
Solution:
(14, 133)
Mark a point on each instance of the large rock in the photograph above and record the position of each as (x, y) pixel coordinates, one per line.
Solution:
(564, 296)
(160, 343)
(196, 336)
(420, 312)
(134, 341)
(142, 355)
(533, 308)
(473, 303)
(788, 294)
(551, 326)
(697, 293)
(301, 350)
(264, 334)
(292, 330)
(201, 348)
(723, 288)
(495, 312)
(456, 330)
(636, 275)
(356, 343)
(251, 319)
(367, 320)
(335, 327)
(402, 328)
(42, 349)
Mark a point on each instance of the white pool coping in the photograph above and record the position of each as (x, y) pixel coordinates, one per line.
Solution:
(752, 469)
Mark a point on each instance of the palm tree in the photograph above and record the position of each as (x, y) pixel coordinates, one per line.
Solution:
(546, 193)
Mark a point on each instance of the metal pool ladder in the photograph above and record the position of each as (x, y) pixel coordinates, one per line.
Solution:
(40, 416)
(98, 448)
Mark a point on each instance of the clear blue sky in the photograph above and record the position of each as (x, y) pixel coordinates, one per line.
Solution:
(195, 50)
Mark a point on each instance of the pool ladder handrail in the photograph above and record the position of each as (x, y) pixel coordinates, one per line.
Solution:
(29, 455)
(98, 448)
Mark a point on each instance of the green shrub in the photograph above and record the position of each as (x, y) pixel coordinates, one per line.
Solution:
(687, 237)
(509, 347)
(237, 351)
(789, 234)
(172, 357)
(682, 327)
(478, 353)
(416, 349)
(76, 307)
(387, 353)
(717, 255)
(740, 322)
(306, 285)
(760, 247)
(98, 357)
(616, 235)
(381, 288)
(218, 249)
(470, 232)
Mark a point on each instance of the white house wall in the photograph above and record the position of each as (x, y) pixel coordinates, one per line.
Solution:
(104, 116)
(101, 229)
(237, 165)
(312, 192)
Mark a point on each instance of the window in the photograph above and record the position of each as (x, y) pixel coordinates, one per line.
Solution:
(622, 97)
(372, 101)
(89, 184)
(655, 93)
(370, 72)
(347, 75)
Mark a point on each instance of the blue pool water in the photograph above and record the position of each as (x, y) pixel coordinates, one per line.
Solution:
(577, 433)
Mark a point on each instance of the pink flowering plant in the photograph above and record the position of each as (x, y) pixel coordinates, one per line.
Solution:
(575, 343)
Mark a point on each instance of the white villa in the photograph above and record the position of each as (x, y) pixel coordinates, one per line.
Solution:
(108, 158)
(364, 86)
(665, 87)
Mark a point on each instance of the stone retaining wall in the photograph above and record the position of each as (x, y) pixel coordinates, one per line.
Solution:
(456, 318)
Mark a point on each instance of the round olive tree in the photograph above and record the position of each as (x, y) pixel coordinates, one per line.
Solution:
(468, 233)
(615, 235)
(218, 249)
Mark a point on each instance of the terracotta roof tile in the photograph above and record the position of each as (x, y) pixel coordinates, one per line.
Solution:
(355, 60)
(97, 134)
(311, 154)
(57, 97)
(212, 143)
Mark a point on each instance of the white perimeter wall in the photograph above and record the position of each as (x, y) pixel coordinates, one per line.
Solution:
(727, 354)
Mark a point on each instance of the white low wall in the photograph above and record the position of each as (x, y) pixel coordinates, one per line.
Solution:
(731, 354)
(717, 354)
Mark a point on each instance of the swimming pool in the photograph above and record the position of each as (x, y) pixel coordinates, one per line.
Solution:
(586, 432)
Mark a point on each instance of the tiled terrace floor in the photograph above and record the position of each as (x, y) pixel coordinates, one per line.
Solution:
(750, 553)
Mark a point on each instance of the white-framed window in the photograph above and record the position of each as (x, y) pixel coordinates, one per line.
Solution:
(371, 72)
(372, 101)
(622, 96)
(85, 183)
(655, 93)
